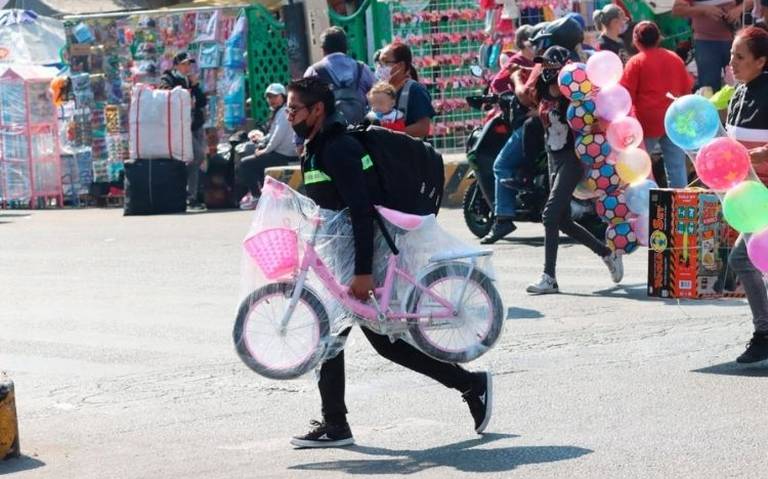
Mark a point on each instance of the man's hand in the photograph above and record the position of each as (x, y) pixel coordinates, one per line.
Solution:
(360, 286)
(711, 11)
(259, 152)
(759, 155)
(193, 79)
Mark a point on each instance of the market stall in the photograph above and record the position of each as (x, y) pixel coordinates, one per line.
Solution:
(108, 54)
(30, 169)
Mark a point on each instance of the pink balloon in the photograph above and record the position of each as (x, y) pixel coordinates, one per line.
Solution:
(604, 69)
(625, 133)
(722, 163)
(757, 249)
(641, 226)
(613, 102)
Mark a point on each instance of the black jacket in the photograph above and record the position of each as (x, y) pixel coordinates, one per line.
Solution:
(337, 176)
(171, 79)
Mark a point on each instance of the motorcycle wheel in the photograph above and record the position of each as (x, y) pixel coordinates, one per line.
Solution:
(477, 213)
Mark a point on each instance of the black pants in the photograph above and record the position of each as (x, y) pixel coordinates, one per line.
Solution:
(565, 173)
(331, 382)
(250, 173)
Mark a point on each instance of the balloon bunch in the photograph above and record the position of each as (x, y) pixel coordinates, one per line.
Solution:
(607, 143)
(723, 164)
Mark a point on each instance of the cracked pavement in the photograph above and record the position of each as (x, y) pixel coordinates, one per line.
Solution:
(117, 333)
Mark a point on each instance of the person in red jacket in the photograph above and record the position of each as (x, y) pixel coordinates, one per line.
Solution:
(649, 77)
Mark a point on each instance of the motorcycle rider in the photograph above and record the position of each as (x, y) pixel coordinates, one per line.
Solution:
(511, 78)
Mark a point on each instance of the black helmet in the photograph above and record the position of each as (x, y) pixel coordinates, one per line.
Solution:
(565, 32)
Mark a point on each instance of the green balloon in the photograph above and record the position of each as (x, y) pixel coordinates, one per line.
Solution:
(745, 207)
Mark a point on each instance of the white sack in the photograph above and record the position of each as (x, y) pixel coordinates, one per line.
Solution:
(160, 124)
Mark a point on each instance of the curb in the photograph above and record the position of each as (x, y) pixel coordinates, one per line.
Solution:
(456, 181)
(9, 425)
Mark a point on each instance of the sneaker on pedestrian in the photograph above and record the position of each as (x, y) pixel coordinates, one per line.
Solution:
(615, 266)
(480, 400)
(196, 207)
(546, 285)
(501, 228)
(249, 202)
(325, 434)
(757, 350)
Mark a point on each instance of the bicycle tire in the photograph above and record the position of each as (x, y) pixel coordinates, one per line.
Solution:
(259, 361)
(421, 332)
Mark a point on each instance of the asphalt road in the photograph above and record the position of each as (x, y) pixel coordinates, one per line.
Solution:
(117, 333)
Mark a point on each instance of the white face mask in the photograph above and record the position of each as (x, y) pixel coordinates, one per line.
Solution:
(383, 73)
(623, 28)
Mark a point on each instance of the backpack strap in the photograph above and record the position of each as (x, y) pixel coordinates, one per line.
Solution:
(402, 103)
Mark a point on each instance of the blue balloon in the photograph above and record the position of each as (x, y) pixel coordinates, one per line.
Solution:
(638, 196)
(691, 122)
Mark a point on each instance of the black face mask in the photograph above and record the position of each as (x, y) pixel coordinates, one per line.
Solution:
(302, 129)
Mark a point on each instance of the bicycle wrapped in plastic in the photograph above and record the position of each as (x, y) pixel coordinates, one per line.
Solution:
(433, 291)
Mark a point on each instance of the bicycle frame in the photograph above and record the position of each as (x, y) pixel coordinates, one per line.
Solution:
(381, 309)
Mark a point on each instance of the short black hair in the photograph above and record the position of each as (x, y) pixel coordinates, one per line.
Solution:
(313, 90)
(334, 40)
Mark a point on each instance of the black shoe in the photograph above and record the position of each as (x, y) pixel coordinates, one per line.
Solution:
(500, 229)
(480, 400)
(757, 350)
(325, 435)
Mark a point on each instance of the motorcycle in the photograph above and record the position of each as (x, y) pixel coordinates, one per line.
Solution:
(531, 184)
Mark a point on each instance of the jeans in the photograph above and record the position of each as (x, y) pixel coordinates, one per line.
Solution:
(332, 384)
(674, 161)
(199, 152)
(250, 172)
(754, 286)
(505, 166)
(712, 56)
(565, 172)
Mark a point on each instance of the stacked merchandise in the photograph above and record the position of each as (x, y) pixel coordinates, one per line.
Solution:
(117, 53)
(30, 168)
(445, 38)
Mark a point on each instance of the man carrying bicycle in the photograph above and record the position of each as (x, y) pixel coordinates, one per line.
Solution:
(336, 176)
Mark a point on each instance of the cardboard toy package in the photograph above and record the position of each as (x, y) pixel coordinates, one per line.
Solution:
(689, 246)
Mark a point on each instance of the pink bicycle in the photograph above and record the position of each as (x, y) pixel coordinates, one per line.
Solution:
(452, 311)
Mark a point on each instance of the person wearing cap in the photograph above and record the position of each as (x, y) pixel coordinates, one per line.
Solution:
(612, 23)
(181, 75)
(278, 148)
(649, 77)
(565, 173)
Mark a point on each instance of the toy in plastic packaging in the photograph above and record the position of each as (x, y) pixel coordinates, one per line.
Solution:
(234, 100)
(209, 56)
(83, 33)
(433, 291)
(234, 57)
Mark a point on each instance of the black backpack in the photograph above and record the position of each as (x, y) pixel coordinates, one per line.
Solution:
(349, 101)
(410, 171)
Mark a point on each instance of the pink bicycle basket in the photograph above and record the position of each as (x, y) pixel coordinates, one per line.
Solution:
(275, 251)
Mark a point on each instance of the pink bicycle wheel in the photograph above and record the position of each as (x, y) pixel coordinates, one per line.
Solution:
(276, 353)
(469, 334)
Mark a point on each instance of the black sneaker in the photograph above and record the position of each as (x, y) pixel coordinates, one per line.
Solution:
(757, 350)
(480, 400)
(196, 207)
(325, 435)
(500, 229)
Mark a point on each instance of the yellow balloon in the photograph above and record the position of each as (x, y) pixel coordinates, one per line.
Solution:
(633, 165)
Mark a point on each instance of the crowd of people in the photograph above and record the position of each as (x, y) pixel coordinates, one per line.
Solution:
(339, 90)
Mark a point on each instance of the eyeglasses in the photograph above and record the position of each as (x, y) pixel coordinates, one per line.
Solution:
(292, 110)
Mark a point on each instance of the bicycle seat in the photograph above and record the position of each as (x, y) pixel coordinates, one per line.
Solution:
(405, 221)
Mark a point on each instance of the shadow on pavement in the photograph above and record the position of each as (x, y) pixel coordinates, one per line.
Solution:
(460, 456)
(523, 313)
(23, 463)
(734, 369)
(638, 291)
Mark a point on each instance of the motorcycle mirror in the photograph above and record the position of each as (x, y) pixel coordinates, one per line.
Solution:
(476, 70)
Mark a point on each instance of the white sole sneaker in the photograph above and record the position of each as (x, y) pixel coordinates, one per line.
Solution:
(321, 444)
(488, 404)
(536, 291)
